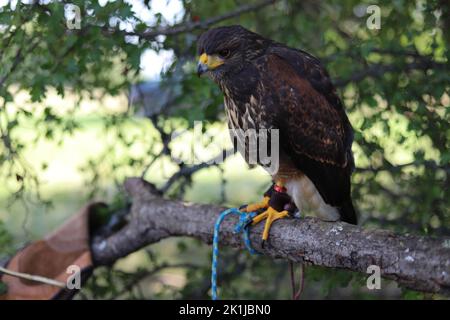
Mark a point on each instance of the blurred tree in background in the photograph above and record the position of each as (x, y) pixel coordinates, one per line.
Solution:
(71, 128)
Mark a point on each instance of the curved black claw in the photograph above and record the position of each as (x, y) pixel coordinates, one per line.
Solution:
(295, 214)
(263, 243)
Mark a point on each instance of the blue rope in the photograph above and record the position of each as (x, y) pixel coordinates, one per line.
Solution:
(244, 219)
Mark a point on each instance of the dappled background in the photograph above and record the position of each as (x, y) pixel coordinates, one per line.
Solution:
(81, 109)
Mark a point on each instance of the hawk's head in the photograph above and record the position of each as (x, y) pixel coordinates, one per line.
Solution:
(226, 50)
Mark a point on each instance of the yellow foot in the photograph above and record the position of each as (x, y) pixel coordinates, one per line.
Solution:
(264, 204)
(270, 215)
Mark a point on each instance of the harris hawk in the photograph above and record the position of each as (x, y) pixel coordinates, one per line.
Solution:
(267, 85)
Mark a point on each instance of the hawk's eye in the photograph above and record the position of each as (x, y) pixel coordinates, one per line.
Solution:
(224, 53)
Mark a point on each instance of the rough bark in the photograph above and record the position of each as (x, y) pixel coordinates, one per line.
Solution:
(415, 262)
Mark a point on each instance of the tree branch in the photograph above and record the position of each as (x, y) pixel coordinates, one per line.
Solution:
(190, 26)
(188, 172)
(33, 277)
(429, 164)
(17, 60)
(416, 262)
(378, 70)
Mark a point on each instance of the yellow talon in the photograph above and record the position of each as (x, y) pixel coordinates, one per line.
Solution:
(257, 206)
(270, 215)
(260, 217)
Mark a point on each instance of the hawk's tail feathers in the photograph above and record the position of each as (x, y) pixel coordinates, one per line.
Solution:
(348, 213)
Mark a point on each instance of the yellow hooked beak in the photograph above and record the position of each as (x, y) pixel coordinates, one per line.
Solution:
(208, 62)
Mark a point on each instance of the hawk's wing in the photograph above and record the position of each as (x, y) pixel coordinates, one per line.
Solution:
(314, 129)
(316, 115)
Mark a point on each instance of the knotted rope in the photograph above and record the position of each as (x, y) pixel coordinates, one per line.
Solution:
(241, 227)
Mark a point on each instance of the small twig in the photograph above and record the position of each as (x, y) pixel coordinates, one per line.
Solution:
(33, 278)
(378, 70)
(187, 172)
(149, 273)
(17, 60)
(389, 167)
(150, 164)
(190, 26)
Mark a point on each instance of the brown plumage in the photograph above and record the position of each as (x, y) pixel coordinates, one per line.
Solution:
(269, 85)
